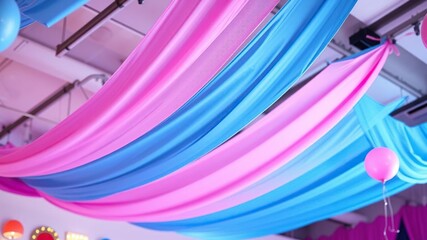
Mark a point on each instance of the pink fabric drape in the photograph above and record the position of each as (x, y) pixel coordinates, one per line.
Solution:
(415, 221)
(366, 231)
(413, 218)
(16, 186)
(209, 184)
(12, 185)
(6, 149)
(188, 45)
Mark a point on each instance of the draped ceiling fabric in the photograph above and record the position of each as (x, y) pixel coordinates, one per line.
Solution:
(6, 149)
(412, 170)
(13, 185)
(414, 219)
(46, 12)
(412, 216)
(367, 231)
(257, 152)
(336, 185)
(253, 81)
(16, 186)
(187, 46)
(289, 169)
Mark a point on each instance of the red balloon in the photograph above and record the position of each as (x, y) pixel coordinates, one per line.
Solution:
(381, 164)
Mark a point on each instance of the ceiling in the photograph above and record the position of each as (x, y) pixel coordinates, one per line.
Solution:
(30, 71)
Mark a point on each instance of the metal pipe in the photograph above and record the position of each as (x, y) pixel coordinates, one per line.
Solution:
(94, 24)
(47, 102)
(27, 114)
(393, 15)
(406, 24)
(120, 24)
(343, 50)
(38, 108)
(89, 27)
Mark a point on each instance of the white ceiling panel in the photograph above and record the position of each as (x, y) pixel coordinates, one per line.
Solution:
(413, 44)
(369, 11)
(103, 49)
(140, 17)
(385, 92)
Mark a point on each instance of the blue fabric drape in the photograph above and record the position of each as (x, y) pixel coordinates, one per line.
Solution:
(408, 140)
(337, 183)
(254, 80)
(46, 12)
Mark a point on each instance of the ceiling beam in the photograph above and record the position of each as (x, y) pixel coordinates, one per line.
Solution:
(395, 14)
(37, 56)
(90, 27)
(47, 102)
(411, 22)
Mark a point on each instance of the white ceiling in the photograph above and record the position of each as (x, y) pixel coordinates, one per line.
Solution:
(134, 15)
(370, 11)
(409, 41)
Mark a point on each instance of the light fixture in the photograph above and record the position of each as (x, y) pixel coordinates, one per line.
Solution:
(44, 233)
(13, 229)
(75, 236)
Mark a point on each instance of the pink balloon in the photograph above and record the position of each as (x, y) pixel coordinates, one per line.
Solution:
(381, 164)
(424, 31)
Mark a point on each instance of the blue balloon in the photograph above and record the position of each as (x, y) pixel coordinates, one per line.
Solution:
(10, 20)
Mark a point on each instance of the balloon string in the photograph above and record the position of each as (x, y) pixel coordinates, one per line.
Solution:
(385, 212)
(388, 208)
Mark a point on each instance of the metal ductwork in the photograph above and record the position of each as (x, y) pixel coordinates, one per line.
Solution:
(413, 113)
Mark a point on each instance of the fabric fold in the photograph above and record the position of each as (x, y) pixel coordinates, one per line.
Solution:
(338, 185)
(187, 46)
(16, 186)
(249, 157)
(245, 88)
(409, 217)
(413, 217)
(413, 169)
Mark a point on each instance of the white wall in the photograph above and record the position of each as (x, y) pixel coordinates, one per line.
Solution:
(34, 213)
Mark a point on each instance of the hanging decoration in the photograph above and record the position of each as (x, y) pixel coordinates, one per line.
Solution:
(411, 220)
(13, 229)
(366, 230)
(187, 46)
(340, 185)
(382, 164)
(209, 197)
(239, 93)
(44, 233)
(305, 116)
(9, 23)
(327, 179)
